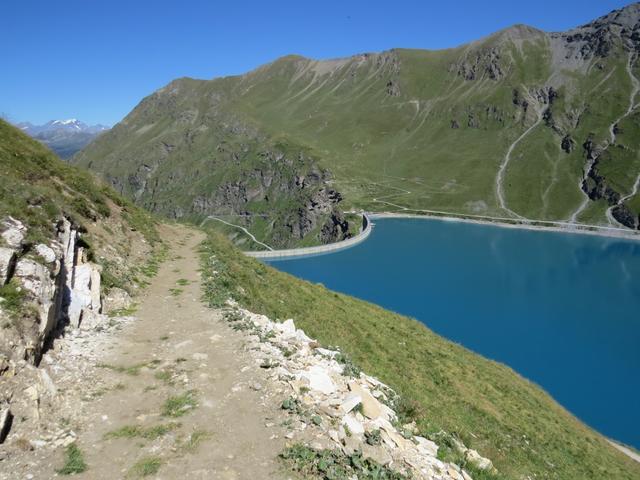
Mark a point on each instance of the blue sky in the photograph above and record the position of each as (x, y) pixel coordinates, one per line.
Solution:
(95, 60)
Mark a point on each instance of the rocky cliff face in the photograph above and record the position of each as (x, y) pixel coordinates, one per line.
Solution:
(47, 290)
(56, 285)
(238, 174)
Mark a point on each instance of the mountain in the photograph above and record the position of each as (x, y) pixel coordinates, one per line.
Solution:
(523, 124)
(71, 249)
(65, 137)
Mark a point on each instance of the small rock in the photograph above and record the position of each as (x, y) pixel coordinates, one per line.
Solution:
(319, 380)
(68, 441)
(116, 299)
(377, 454)
(48, 383)
(350, 402)
(326, 353)
(354, 426)
(46, 252)
(370, 406)
(37, 443)
(334, 435)
(351, 445)
(287, 327)
(426, 446)
(14, 233)
(479, 461)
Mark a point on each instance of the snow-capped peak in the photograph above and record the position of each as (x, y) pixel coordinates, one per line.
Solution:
(71, 122)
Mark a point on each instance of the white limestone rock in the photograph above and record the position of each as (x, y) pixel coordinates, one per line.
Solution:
(427, 447)
(287, 327)
(84, 293)
(36, 279)
(478, 460)
(352, 423)
(350, 402)
(14, 232)
(46, 252)
(7, 260)
(371, 408)
(318, 380)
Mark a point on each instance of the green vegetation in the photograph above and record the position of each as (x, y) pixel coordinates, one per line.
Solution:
(145, 467)
(124, 312)
(11, 297)
(73, 462)
(36, 186)
(148, 433)
(179, 405)
(164, 376)
(335, 465)
(38, 189)
(443, 386)
(194, 440)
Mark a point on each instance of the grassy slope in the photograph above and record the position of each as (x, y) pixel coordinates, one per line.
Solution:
(37, 188)
(407, 142)
(494, 410)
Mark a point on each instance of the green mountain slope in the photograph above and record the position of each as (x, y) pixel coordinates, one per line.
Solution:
(521, 124)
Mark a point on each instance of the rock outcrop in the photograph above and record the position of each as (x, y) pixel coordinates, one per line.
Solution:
(340, 407)
(625, 216)
(481, 64)
(56, 285)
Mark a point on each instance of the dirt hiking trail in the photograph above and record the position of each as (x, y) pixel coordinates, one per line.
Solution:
(220, 424)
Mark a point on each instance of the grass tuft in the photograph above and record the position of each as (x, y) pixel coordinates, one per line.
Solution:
(179, 405)
(145, 467)
(73, 462)
(136, 431)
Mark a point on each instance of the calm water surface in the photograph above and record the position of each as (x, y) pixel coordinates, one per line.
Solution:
(561, 309)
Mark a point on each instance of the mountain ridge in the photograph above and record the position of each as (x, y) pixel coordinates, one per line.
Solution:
(64, 137)
(517, 124)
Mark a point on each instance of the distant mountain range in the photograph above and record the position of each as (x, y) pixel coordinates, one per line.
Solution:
(523, 124)
(64, 137)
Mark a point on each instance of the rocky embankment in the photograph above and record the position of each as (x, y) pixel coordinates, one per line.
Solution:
(335, 407)
(48, 288)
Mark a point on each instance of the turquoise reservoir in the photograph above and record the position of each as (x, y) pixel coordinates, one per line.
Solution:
(561, 309)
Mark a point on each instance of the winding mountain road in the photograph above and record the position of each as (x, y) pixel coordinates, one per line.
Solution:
(241, 228)
(503, 167)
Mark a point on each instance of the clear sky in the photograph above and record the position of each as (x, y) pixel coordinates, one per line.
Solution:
(95, 60)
